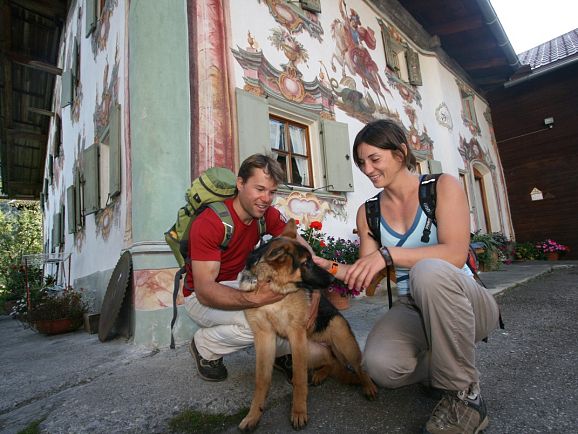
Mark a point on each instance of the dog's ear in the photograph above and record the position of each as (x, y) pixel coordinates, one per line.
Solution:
(290, 230)
(276, 253)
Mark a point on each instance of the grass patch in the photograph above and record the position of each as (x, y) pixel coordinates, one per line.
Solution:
(32, 428)
(191, 421)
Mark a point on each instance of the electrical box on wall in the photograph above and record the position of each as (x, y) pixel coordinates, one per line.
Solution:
(311, 5)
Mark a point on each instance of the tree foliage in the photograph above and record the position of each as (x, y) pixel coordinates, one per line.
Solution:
(20, 234)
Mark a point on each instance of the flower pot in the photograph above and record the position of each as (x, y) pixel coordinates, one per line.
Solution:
(57, 326)
(552, 256)
(340, 302)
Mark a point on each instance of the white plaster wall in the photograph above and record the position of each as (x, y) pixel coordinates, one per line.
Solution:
(439, 86)
(79, 135)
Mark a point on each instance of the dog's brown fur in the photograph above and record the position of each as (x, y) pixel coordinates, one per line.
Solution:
(284, 264)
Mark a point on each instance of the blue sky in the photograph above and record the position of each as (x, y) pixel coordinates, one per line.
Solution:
(532, 22)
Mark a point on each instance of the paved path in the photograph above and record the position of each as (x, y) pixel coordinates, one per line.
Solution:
(79, 385)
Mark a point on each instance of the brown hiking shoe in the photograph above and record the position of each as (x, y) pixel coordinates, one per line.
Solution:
(456, 413)
(209, 370)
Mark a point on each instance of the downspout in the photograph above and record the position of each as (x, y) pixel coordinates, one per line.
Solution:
(492, 21)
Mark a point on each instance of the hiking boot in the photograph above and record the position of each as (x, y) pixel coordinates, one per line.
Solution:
(458, 413)
(285, 365)
(209, 370)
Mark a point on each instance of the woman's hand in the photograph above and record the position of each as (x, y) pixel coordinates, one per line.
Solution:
(360, 274)
(322, 262)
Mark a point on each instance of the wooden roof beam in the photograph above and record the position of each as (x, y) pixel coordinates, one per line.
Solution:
(41, 112)
(31, 62)
(458, 26)
(47, 8)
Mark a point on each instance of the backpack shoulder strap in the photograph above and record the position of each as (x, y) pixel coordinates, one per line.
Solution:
(222, 211)
(427, 201)
(373, 216)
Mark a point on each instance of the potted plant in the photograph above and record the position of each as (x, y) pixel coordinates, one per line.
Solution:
(526, 252)
(550, 249)
(487, 251)
(53, 310)
(340, 250)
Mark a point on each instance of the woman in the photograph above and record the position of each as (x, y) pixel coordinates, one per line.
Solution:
(429, 335)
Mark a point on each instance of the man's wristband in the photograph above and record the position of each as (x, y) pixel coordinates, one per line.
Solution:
(334, 268)
(386, 256)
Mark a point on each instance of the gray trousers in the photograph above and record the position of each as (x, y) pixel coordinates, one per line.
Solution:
(429, 337)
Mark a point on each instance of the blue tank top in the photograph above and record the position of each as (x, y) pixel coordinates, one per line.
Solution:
(412, 238)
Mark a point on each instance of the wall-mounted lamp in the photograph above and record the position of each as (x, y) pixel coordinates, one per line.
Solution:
(549, 122)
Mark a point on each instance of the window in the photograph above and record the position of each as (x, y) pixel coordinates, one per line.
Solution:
(314, 152)
(468, 109)
(101, 166)
(290, 144)
(400, 58)
(481, 202)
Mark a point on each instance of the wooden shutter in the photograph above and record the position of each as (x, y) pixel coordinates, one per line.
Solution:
(253, 124)
(66, 89)
(337, 152)
(78, 199)
(50, 168)
(90, 15)
(90, 178)
(57, 135)
(390, 55)
(434, 166)
(71, 208)
(413, 68)
(57, 233)
(114, 156)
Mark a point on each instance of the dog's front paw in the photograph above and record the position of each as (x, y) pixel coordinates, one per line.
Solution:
(299, 419)
(370, 390)
(249, 423)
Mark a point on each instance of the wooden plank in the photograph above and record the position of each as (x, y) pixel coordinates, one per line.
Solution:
(31, 62)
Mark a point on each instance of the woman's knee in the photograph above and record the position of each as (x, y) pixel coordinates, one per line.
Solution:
(428, 275)
(388, 371)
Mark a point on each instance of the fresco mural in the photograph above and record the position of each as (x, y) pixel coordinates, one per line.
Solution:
(99, 37)
(111, 213)
(472, 126)
(444, 117)
(155, 289)
(307, 207)
(421, 143)
(352, 44)
(294, 19)
(262, 78)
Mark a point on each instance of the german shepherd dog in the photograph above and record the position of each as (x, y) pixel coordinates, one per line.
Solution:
(288, 268)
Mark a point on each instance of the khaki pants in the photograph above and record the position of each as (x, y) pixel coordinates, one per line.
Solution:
(223, 332)
(430, 336)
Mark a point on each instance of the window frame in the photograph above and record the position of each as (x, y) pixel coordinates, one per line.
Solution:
(289, 153)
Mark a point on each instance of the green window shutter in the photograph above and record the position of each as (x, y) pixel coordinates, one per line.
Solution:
(66, 88)
(71, 208)
(253, 124)
(56, 225)
(413, 68)
(390, 56)
(434, 166)
(114, 141)
(51, 168)
(90, 12)
(61, 223)
(57, 135)
(77, 199)
(90, 178)
(45, 189)
(335, 142)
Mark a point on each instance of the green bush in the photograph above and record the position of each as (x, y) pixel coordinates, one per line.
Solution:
(527, 252)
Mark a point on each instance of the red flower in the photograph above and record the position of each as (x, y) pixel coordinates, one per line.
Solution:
(322, 244)
(317, 225)
(297, 222)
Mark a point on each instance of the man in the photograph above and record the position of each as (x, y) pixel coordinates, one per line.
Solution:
(215, 304)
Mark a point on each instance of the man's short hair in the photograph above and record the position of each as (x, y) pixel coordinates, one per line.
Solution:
(260, 161)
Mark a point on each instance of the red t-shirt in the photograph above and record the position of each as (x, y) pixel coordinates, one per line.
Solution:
(206, 236)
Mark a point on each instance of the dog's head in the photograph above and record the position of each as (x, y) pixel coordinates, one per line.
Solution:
(283, 261)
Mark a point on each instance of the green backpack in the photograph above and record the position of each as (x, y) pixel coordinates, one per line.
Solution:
(207, 191)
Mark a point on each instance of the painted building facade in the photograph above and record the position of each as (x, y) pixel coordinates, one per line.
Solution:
(153, 93)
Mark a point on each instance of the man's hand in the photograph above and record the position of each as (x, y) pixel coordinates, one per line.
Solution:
(313, 309)
(262, 295)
